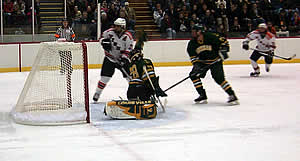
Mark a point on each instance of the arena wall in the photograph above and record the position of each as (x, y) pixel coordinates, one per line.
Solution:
(20, 56)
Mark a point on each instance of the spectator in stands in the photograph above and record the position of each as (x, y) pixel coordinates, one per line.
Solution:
(173, 15)
(236, 27)
(282, 19)
(113, 13)
(271, 28)
(105, 22)
(195, 10)
(195, 19)
(209, 21)
(222, 17)
(219, 2)
(90, 14)
(203, 9)
(29, 16)
(8, 10)
(245, 19)
(185, 11)
(255, 14)
(295, 22)
(233, 13)
(104, 6)
(168, 27)
(85, 19)
(70, 8)
(131, 16)
(77, 16)
(183, 23)
(158, 14)
(19, 12)
(266, 8)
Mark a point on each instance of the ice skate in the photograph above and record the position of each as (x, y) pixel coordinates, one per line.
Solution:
(96, 96)
(254, 74)
(201, 100)
(233, 100)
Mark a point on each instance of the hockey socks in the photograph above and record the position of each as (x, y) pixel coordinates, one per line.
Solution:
(101, 85)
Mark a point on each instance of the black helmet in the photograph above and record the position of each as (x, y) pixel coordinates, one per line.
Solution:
(135, 55)
(199, 27)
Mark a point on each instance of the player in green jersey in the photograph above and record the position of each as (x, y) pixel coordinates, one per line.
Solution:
(207, 51)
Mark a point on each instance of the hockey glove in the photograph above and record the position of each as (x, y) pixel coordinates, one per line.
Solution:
(123, 60)
(245, 45)
(106, 44)
(158, 91)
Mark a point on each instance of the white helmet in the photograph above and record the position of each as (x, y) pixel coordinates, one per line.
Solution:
(262, 25)
(120, 22)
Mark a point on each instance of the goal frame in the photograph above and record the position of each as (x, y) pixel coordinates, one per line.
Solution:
(15, 113)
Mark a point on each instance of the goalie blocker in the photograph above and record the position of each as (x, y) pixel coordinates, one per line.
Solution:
(124, 109)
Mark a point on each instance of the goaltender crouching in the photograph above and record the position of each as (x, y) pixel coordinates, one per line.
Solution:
(140, 93)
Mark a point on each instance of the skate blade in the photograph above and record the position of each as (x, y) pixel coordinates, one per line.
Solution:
(233, 103)
(201, 102)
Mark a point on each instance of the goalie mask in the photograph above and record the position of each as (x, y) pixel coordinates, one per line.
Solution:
(136, 55)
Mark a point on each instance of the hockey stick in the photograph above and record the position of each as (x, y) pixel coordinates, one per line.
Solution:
(162, 106)
(189, 76)
(263, 52)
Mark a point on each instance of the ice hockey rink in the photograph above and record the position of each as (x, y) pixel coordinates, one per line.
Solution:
(264, 127)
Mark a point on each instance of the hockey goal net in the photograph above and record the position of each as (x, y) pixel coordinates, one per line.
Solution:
(56, 90)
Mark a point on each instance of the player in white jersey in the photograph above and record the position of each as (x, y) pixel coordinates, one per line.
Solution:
(117, 44)
(265, 42)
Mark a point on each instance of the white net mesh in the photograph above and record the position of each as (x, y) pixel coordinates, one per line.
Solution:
(54, 92)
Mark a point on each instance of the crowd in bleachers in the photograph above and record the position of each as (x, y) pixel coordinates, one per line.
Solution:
(17, 12)
(85, 12)
(224, 16)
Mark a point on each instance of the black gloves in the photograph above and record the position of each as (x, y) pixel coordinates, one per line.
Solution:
(123, 60)
(158, 91)
(246, 46)
(106, 44)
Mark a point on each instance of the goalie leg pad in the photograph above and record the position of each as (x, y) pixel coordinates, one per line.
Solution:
(123, 109)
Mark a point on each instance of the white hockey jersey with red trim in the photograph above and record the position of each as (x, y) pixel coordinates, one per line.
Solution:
(263, 43)
(121, 45)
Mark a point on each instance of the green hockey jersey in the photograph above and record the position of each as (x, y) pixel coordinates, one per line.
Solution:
(207, 50)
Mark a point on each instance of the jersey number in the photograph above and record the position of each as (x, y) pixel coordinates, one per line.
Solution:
(133, 72)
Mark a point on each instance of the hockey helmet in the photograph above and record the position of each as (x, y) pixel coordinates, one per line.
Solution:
(135, 55)
(262, 25)
(120, 22)
(199, 27)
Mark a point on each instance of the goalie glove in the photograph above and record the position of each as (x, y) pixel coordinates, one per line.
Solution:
(158, 91)
(106, 44)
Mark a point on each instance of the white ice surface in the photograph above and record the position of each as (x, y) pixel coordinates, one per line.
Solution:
(265, 127)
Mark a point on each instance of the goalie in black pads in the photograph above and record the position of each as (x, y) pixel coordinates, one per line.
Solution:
(139, 86)
(207, 52)
(140, 94)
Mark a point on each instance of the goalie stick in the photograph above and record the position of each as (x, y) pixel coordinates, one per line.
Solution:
(162, 106)
(189, 76)
(263, 52)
